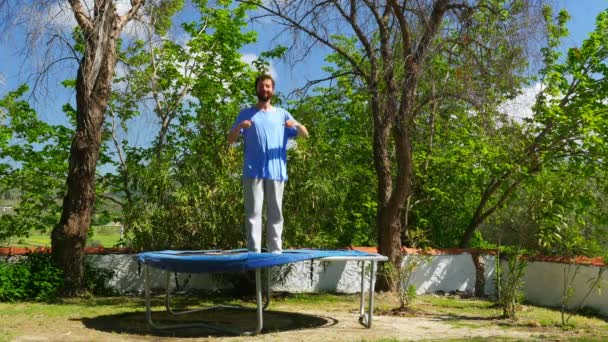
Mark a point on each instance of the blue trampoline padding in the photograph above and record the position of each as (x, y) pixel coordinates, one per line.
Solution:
(211, 261)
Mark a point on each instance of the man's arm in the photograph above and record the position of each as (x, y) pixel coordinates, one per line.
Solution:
(302, 131)
(236, 130)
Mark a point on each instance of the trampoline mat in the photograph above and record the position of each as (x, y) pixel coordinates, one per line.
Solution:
(213, 261)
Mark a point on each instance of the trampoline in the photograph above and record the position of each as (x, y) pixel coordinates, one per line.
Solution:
(213, 261)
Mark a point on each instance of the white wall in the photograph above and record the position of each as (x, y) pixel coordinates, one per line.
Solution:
(542, 281)
(445, 273)
(543, 285)
(442, 273)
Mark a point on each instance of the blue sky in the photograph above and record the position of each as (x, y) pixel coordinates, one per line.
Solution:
(14, 71)
(582, 22)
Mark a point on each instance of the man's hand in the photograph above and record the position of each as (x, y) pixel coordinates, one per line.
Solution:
(246, 124)
(302, 131)
(235, 132)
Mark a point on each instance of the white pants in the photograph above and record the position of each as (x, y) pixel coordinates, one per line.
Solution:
(257, 191)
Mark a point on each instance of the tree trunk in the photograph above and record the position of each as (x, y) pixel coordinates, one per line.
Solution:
(69, 236)
(469, 231)
(93, 89)
(480, 272)
(387, 223)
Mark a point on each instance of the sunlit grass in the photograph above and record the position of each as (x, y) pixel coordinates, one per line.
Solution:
(16, 319)
(106, 236)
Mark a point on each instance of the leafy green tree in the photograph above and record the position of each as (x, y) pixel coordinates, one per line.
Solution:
(33, 158)
(330, 198)
(184, 190)
(568, 123)
(386, 46)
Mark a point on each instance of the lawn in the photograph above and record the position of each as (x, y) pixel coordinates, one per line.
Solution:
(106, 236)
(294, 317)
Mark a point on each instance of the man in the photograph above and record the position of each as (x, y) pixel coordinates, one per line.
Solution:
(265, 130)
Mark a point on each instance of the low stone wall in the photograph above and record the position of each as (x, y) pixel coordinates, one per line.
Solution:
(544, 285)
(306, 276)
(453, 272)
(446, 271)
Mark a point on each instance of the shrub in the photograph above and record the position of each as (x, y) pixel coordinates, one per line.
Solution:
(33, 277)
(96, 280)
(400, 278)
(510, 282)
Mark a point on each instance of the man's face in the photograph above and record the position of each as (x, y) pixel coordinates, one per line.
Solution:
(265, 90)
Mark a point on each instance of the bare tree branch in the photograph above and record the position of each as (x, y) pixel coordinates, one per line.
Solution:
(311, 83)
(82, 17)
(297, 24)
(135, 6)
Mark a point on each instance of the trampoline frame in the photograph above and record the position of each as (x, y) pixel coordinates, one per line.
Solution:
(365, 318)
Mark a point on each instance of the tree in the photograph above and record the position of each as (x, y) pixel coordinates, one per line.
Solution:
(183, 190)
(99, 31)
(386, 45)
(33, 161)
(330, 197)
(568, 123)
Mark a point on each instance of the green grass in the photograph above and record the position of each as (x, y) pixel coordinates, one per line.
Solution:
(86, 318)
(106, 236)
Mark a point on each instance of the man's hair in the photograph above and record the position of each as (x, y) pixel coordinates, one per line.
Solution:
(262, 78)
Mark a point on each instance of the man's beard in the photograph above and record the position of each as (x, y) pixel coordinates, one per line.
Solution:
(263, 98)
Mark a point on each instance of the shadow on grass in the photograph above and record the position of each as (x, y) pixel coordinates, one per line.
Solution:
(135, 323)
(138, 301)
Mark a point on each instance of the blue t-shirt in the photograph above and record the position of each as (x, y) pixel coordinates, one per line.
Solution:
(266, 143)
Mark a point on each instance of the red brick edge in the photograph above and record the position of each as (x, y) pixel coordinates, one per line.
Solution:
(578, 260)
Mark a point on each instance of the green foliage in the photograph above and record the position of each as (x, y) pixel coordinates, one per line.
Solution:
(33, 277)
(510, 281)
(36, 277)
(556, 213)
(400, 278)
(526, 182)
(330, 199)
(183, 191)
(33, 161)
(96, 279)
(463, 138)
(11, 276)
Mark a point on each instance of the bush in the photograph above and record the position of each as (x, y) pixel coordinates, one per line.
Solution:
(96, 280)
(11, 286)
(33, 277)
(510, 282)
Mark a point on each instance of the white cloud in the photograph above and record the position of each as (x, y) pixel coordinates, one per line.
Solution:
(520, 107)
(250, 57)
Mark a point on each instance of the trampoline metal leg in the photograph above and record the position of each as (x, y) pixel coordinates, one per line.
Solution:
(362, 318)
(259, 302)
(259, 308)
(365, 318)
(267, 289)
(372, 280)
(147, 291)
